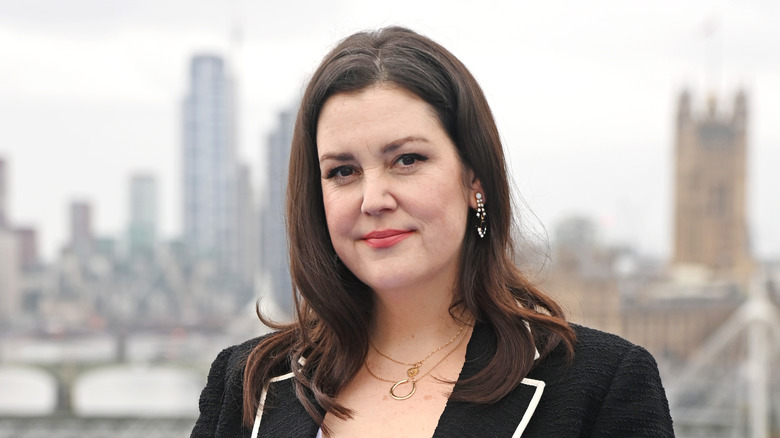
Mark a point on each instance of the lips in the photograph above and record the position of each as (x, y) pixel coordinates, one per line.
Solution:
(385, 238)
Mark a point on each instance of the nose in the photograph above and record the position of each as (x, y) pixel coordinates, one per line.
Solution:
(377, 194)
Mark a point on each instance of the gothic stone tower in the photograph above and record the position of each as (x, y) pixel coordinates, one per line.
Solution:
(710, 215)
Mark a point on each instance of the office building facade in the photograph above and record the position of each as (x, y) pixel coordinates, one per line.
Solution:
(142, 229)
(209, 163)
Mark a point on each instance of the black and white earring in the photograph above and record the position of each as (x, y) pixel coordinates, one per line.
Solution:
(481, 213)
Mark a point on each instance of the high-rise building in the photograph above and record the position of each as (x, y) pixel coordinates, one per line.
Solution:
(10, 288)
(82, 240)
(142, 229)
(4, 220)
(247, 227)
(710, 226)
(273, 238)
(209, 163)
(27, 245)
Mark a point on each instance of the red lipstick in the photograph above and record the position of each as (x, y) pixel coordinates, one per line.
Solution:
(385, 238)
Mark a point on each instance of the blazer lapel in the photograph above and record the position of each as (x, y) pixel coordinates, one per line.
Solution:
(506, 418)
(281, 414)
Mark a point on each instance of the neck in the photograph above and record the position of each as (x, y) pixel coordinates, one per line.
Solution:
(411, 323)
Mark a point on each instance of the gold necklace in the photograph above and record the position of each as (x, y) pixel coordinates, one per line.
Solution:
(412, 372)
(415, 366)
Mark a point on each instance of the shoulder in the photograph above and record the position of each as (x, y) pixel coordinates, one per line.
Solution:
(230, 361)
(614, 356)
(234, 357)
(221, 399)
(602, 346)
(598, 356)
(611, 387)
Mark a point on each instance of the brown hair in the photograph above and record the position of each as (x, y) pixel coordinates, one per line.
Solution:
(334, 308)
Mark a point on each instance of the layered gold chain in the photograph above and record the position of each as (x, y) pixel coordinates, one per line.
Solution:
(414, 369)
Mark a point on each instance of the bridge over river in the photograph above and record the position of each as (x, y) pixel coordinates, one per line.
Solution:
(729, 388)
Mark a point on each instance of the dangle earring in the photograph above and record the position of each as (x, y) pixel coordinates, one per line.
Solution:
(481, 213)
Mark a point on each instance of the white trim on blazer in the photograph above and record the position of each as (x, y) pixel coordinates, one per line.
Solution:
(259, 415)
(529, 412)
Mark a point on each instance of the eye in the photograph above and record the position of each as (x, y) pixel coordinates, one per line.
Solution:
(340, 172)
(409, 159)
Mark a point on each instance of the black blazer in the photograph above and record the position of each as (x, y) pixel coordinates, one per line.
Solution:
(611, 389)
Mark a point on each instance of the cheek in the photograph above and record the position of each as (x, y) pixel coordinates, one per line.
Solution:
(454, 201)
(458, 212)
(337, 213)
(330, 212)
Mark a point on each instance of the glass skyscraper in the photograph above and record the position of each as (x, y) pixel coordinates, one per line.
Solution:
(209, 163)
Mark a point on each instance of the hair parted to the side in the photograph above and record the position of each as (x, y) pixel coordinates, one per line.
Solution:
(334, 308)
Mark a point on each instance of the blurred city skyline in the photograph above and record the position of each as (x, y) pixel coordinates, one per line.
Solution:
(584, 96)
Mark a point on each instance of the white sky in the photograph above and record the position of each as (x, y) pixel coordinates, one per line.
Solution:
(584, 94)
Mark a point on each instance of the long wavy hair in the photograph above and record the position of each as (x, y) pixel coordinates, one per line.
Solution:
(334, 309)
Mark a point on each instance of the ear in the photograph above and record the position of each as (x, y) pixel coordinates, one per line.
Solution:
(476, 187)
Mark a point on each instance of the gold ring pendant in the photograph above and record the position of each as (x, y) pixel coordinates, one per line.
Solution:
(399, 383)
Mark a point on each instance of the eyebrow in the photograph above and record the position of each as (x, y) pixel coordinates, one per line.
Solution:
(386, 149)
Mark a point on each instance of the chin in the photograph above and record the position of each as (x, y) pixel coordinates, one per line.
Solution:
(389, 284)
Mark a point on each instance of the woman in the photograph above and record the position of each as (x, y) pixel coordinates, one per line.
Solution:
(412, 319)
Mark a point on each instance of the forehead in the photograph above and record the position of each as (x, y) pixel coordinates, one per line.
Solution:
(374, 112)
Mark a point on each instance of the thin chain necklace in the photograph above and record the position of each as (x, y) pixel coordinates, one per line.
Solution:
(412, 372)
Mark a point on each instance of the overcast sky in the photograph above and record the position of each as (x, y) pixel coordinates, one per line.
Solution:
(584, 93)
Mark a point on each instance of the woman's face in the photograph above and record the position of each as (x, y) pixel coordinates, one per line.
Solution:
(393, 189)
